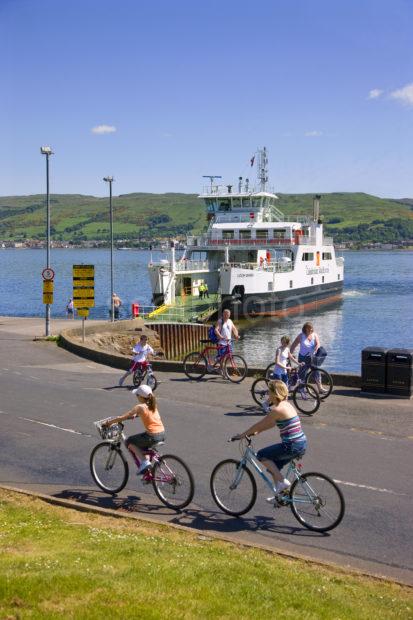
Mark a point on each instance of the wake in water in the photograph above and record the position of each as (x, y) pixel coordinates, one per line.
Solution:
(355, 293)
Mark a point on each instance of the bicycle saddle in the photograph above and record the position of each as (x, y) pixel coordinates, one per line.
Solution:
(204, 341)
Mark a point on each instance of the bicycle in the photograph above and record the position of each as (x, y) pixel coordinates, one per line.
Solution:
(313, 375)
(171, 478)
(198, 363)
(311, 497)
(305, 397)
(145, 373)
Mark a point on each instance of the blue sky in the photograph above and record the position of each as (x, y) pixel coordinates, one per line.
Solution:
(159, 93)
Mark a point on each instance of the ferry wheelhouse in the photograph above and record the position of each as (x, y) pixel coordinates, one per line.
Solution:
(255, 260)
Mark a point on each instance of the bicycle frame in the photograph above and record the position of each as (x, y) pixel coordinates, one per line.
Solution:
(154, 456)
(250, 457)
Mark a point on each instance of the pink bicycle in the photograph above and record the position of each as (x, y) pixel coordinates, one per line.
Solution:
(171, 478)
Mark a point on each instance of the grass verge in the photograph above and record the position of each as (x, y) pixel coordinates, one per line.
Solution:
(57, 562)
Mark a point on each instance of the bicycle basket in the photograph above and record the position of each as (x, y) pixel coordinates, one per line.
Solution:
(110, 433)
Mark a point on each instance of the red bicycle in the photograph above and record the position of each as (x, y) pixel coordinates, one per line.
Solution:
(215, 359)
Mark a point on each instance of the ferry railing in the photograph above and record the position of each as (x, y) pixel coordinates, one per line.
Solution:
(205, 240)
(266, 266)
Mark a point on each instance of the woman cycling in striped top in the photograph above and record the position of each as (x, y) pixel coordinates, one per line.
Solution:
(293, 441)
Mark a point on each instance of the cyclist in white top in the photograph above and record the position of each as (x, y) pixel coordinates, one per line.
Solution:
(142, 352)
(309, 344)
(283, 355)
(225, 329)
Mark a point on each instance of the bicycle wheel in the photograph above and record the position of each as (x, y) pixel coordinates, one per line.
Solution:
(173, 482)
(318, 377)
(317, 502)
(306, 399)
(235, 368)
(260, 391)
(137, 378)
(233, 487)
(195, 365)
(152, 382)
(109, 468)
(269, 370)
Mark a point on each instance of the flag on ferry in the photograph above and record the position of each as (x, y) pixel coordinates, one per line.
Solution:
(252, 160)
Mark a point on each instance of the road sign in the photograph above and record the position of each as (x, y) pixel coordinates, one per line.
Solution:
(83, 302)
(48, 274)
(83, 288)
(83, 271)
(47, 298)
(48, 286)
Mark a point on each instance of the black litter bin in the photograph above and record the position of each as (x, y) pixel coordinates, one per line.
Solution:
(400, 372)
(373, 369)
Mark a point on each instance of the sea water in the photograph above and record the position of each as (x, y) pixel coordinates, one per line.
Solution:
(376, 310)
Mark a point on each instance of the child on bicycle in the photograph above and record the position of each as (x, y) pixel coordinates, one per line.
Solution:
(142, 351)
(148, 412)
(293, 441)
(283, 356)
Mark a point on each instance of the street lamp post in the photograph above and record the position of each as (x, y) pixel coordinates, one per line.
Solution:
(46, 150)
(112, 309)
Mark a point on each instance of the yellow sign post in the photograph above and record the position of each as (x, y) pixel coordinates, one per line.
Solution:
(83, 291)
(48, 291)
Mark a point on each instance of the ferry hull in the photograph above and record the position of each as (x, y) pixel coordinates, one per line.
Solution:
(284, 303)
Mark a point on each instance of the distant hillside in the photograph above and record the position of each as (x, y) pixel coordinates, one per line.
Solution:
(140, 216)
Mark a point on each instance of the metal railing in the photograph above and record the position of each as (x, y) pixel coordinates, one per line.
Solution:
(266, 266)
(206, 240)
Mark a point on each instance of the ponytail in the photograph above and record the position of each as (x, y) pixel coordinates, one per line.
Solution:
(151, 402)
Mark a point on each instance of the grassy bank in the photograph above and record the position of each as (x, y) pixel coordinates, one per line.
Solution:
(58, 562)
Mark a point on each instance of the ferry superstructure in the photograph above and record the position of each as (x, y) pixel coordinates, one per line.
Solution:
(256, 261)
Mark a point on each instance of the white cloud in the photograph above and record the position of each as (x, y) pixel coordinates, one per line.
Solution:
(313, 134)
(404, 95)
(375, 93)
(101, 129)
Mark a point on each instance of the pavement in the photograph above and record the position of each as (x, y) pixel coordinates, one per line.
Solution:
(49, 399)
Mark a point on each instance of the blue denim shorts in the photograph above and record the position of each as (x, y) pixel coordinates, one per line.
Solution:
(282, 453)
(279, 376)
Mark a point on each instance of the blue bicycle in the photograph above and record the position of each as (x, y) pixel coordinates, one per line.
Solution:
(315, 499)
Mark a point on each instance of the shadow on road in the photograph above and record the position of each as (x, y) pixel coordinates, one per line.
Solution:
(245, 411)
(196, 519)
(357, 393)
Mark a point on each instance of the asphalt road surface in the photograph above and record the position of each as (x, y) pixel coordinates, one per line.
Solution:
(49, 399)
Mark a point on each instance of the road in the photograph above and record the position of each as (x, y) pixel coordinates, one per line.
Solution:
(49, 399)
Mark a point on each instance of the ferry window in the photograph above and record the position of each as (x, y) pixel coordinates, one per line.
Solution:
(245, 234)
(270, 286)
(210, 206)
(338, 277)
(261, 234)
(312, 280)
(326, 255)
(246, 202)
(322, 279)
(225, 204)
(227, 234)
(308, 256)
(291, 284)
(255, 203)
(278, 233)
(236, 203)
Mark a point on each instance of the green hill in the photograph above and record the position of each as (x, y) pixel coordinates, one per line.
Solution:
(139, 216)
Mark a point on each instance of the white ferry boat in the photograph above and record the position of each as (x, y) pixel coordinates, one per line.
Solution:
(252, 258)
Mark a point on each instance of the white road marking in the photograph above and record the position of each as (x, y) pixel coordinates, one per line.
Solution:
(369, 488)
(59, 428)
(31, 377)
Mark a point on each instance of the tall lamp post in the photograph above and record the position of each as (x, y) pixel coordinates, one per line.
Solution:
(112, 309)
(46, 150)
